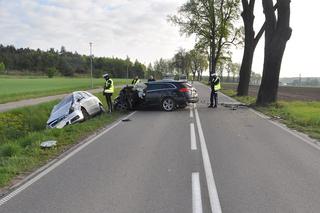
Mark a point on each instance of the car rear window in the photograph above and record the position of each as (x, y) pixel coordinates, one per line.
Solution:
(169, 86)
(160, 86)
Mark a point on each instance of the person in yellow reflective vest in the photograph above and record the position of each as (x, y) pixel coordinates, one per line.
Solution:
(108, 90)
(135, 81)
(215, 87)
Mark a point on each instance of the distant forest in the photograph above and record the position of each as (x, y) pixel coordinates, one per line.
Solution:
(64, 63)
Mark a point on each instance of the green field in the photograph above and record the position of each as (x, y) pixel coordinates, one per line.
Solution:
(13, 89)
(22, 130)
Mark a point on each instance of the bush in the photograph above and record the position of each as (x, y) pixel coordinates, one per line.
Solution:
(2, 67)
(52, 71)
(11, 126)
(9, 150)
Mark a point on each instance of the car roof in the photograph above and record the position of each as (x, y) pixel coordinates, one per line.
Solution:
(164, 81)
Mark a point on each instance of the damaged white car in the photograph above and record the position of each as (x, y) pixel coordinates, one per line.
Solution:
(75, 107)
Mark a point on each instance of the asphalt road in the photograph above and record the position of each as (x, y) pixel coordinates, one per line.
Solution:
(233, 161)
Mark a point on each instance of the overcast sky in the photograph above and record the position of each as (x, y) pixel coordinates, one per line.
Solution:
(139, 29)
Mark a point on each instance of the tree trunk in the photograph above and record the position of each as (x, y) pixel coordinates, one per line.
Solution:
(277, 33)
(246, 65)
(212, 58)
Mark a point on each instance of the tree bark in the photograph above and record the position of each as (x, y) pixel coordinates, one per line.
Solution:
(212, 58)
(246, 65)
(277, 33)
(251, 41)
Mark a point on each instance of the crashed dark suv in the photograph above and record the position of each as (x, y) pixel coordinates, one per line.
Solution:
(167, 94)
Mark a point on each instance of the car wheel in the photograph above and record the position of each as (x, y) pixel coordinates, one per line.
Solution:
(121, 106)
(85, 114)
(168, 104)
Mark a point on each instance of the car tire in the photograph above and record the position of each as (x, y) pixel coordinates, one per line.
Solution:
(85, 114)
(121, 106)
(168, 104)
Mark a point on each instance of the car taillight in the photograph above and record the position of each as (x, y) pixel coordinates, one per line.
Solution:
(184, 89)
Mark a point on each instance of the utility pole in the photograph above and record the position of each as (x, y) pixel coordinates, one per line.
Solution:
(127, 62)
(300, 80)
(127, 73)
(91, 63)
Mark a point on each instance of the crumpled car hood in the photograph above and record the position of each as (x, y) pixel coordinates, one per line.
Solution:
(63, 111)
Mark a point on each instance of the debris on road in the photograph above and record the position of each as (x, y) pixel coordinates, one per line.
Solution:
(126, 120)
(48, 144)
(234, 106)
(275, 118)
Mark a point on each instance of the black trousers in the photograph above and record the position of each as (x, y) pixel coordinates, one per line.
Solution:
(109, 101)
(213, 95)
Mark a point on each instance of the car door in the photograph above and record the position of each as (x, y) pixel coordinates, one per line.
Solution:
(93, 101)
(90, 103)
(153, 94)
(84, 102)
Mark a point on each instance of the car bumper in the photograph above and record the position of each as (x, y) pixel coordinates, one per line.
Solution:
(72, 118)
(193, 100)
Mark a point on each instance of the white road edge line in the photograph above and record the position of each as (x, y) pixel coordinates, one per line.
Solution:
(58, 163)
(212, 189)
(191, 112)
(196, 193)
(193, 137)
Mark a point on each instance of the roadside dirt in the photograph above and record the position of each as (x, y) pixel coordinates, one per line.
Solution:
(287, 93)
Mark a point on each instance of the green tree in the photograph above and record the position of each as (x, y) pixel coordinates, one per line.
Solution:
(52, 71)
(235, 68)
(162, 67)
(198, 63)
(182, 62)
(2, 67)
(67, 63)
(149, 71)
(213, 22)
(255, 78)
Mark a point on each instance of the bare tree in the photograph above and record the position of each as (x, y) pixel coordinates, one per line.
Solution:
(250, 42)
(277, 33)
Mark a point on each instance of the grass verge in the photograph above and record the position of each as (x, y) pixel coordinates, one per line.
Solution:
(13, 89)
(22, 130)
(303, 116)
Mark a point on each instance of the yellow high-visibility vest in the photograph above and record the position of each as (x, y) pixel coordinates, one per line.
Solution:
(111, 88)
(217, 87)
(136, 81)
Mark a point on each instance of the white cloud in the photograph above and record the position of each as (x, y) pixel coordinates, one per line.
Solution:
(139, 28)
(117, 28)
(301, 54)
